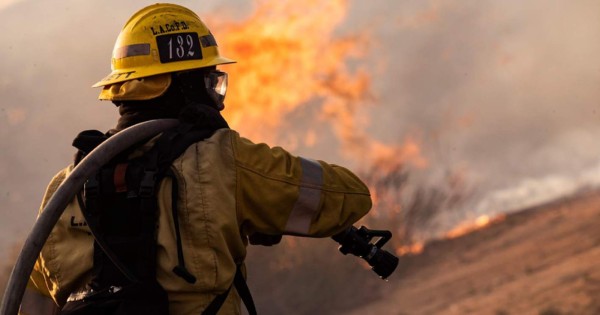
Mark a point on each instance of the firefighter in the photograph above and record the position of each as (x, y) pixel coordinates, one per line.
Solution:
(224, 189)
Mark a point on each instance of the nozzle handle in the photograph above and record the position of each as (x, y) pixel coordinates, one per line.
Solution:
(358, 242)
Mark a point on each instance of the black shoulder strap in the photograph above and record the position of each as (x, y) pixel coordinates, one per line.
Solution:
(171, 145)
(180, 141)
(144, 175)
(86, 141)
(156, 165)
(244, 292)
(242, 288)
(174, 142)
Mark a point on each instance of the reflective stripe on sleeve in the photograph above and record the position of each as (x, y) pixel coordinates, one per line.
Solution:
(308, 199)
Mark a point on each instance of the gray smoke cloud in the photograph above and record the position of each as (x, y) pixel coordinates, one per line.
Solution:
(505, 92)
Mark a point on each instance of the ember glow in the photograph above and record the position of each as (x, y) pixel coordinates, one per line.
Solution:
(468, 227)
(413, 249)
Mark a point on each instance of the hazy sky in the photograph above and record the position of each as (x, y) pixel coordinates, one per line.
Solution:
(7, 3)
(503, 92)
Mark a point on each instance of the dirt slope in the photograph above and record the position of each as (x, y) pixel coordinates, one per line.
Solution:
(544, 260)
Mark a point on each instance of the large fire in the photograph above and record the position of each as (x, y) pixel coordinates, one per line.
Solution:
(287, 56)
(292, 58)
(289, 59)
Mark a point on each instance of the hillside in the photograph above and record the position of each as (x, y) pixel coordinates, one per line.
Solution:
(544, 260)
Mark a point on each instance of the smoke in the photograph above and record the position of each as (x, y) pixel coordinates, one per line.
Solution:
(501, 94)
(504, 93)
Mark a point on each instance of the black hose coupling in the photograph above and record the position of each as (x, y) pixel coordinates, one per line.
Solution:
(358, 242)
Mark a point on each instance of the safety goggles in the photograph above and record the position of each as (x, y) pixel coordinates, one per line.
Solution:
(215, 82)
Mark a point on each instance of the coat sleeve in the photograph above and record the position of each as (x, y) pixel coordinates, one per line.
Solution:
(278, 193)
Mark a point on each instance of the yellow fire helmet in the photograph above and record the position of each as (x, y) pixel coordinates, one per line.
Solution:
(159, 39)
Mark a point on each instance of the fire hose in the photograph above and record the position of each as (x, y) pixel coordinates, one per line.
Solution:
(61, 198)
(352, 241)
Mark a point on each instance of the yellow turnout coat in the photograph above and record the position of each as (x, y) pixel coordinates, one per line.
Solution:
(229, 188)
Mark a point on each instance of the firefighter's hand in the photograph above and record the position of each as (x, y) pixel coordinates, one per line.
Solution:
(264, 239)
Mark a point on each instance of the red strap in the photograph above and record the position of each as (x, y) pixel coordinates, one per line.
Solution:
(119, 178)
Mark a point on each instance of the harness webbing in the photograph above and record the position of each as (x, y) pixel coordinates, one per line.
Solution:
(121, 210)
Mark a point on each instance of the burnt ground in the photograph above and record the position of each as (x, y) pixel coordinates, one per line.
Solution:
(543, 260)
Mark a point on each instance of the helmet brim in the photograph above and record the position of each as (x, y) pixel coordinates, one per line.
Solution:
(122, 75)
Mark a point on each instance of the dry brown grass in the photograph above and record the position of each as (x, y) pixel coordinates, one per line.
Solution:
(309, 276)
(407, 210)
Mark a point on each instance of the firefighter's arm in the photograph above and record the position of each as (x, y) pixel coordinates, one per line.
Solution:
(278, 193)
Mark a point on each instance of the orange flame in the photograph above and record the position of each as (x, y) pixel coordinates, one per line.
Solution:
(413, 249)
(289, 58)
(286, 54)
(480, 223)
